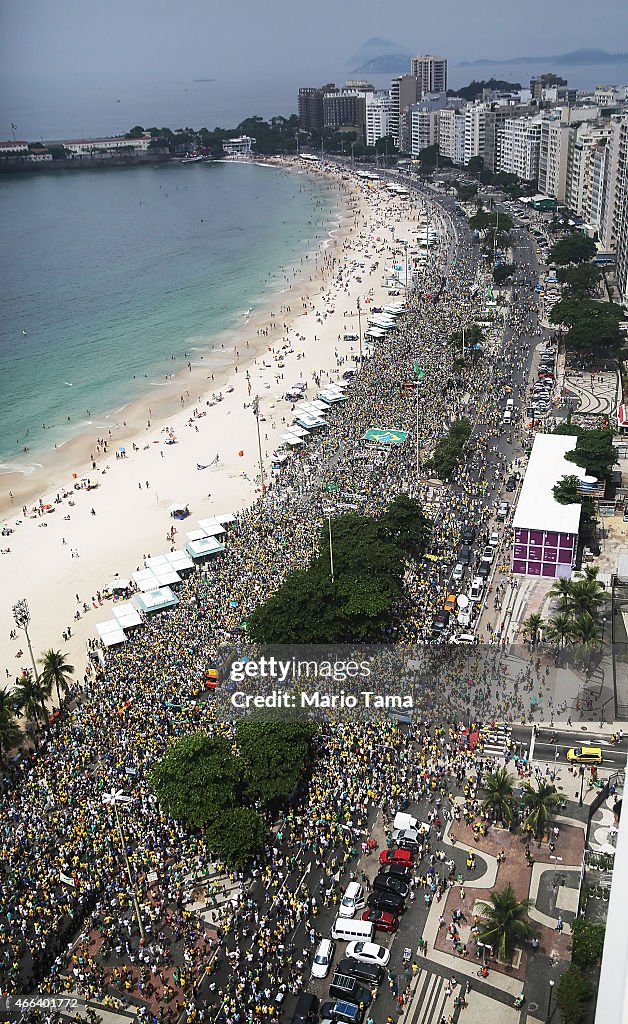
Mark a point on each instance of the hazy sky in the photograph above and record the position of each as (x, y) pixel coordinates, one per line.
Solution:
(196, 38)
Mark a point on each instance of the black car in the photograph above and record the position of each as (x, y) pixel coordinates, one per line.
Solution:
(306, 1010)
(390, 883)
(389, 901)
(399, 870)
(484, 570)
(464, 555)
(467, 534)
(343, 1010)
(441, 621)
(511, 483)
(367, 974)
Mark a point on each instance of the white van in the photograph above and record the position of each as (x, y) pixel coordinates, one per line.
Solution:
(353, 900)
(403, 820)
(350, 931)
(510, 404)
(507, 417)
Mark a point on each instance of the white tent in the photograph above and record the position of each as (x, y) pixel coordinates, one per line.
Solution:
(178, 506)
(155, 600)
(155, 577)
(203, 548)
(110, 632)
(126, 615)
(118, 584)
(210, 528)
(292, 440)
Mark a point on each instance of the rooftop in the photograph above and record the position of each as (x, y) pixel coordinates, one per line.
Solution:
(537, 509)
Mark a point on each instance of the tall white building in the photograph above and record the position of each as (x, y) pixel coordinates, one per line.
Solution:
(585, 170)
(620, 212)
(474, 117)
(404, 91)
(380, 114)
(423, 128)
(519, 146)
(451, 135)
(430, 71)
(553, 151)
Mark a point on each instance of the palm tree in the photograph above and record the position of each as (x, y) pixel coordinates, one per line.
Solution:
(499, 785)
(562, 590)
(587, 633)
(560, 629)
(540, 803)
(532, 627)
(503, 921)
(586, 596)
(56, 672)
(31, 695)
(9, 729)
(590, 572)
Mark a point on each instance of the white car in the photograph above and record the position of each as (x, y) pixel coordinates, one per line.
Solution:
(323, 958)
(488, 554)
(494, 539)
(476, 588)
(463, 638)
(368, 953)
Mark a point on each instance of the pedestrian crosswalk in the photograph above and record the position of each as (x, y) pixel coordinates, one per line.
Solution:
(495, 739)
(429, 1000)
(205, 894)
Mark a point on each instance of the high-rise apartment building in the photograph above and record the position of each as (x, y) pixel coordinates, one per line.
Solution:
(620, 210)
(474, 126)
(421, 121)
(518, 147)
(553, 150)
(379, 116)
(430, 71)
(404, 91)
(310, 107)
(344, 110)
(545, 81)
(451, 135)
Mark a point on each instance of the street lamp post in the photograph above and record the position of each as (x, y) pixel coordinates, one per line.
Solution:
(112, 799)
(22, 617)
(581, 785)
(549, 1001)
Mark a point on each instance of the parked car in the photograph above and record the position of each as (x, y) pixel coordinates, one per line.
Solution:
(398, 856)
(368, 953)
(488, 554)
(511, 483)
(502, 511)
(389, 901)
(408, 837)
(494, 539)
(440, 621)
(476, 589)
(353, 899)
(457, 574)
(450, 603)
(484, 570)
(341, 1009)
(397, 870)
(391, 883)
(382, 920)
(323, 958)
(467, 534)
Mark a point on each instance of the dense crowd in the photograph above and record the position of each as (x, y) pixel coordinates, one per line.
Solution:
(61, 865)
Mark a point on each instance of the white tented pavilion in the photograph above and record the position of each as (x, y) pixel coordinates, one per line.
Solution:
(153, 579)
(110, 632)
(174, 561)
(126, 615)
(155, 600)
(204, 548)
(210, 529)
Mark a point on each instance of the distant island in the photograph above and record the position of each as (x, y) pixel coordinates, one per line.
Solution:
(379, 56)
(195, 81)
(574, 57)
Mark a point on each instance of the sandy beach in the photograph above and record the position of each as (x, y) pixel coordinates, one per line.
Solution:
(59, 559)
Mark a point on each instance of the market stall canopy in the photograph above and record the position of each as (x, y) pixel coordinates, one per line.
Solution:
(126, 615)
(210, 528)
(110, 632)
(155, 600)
(204, 548)
(118, 584)
(153, 578)
(178, 506)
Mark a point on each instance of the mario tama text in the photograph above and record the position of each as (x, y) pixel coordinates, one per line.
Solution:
(316, 700)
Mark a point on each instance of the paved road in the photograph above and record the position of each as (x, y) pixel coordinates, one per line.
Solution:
(613, 755)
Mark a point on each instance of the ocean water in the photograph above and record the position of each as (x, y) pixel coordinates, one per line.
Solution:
(109, 273)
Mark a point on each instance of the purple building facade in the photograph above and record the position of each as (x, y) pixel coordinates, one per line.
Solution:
(543, 552)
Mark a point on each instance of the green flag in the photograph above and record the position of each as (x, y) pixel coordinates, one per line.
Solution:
(331, 486)
(420, 374)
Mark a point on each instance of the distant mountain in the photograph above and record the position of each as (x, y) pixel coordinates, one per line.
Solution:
(379, 56)
(574, 57)
(387, 64)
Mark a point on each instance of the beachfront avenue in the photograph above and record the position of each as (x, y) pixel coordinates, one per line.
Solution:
(176, 928)
(325, 701)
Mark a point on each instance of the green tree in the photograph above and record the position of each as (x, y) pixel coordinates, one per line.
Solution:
(594, 452)
(566, 490)
(585, 597)
(235, 835)
(498, 785)
(575, 248)
(560, 630)
(9, 729)
(405, 524)
(197, 778)
(540, 802)
(562, 590)
(275, 752)
(581, 280)
(532, 627)
(503, 921)
(573, 991)
(587, 942)
(503, 272)
(57, 672)
(31, 695)
(587, 634)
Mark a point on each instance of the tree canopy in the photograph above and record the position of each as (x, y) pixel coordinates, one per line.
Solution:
(594, 452)
(593, 326)
(575, 248)
(449, 450)
(275, 751)
(367, 554)
(581, 279)
(198, 777)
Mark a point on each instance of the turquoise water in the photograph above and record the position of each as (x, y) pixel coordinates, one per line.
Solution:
(110, 273)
